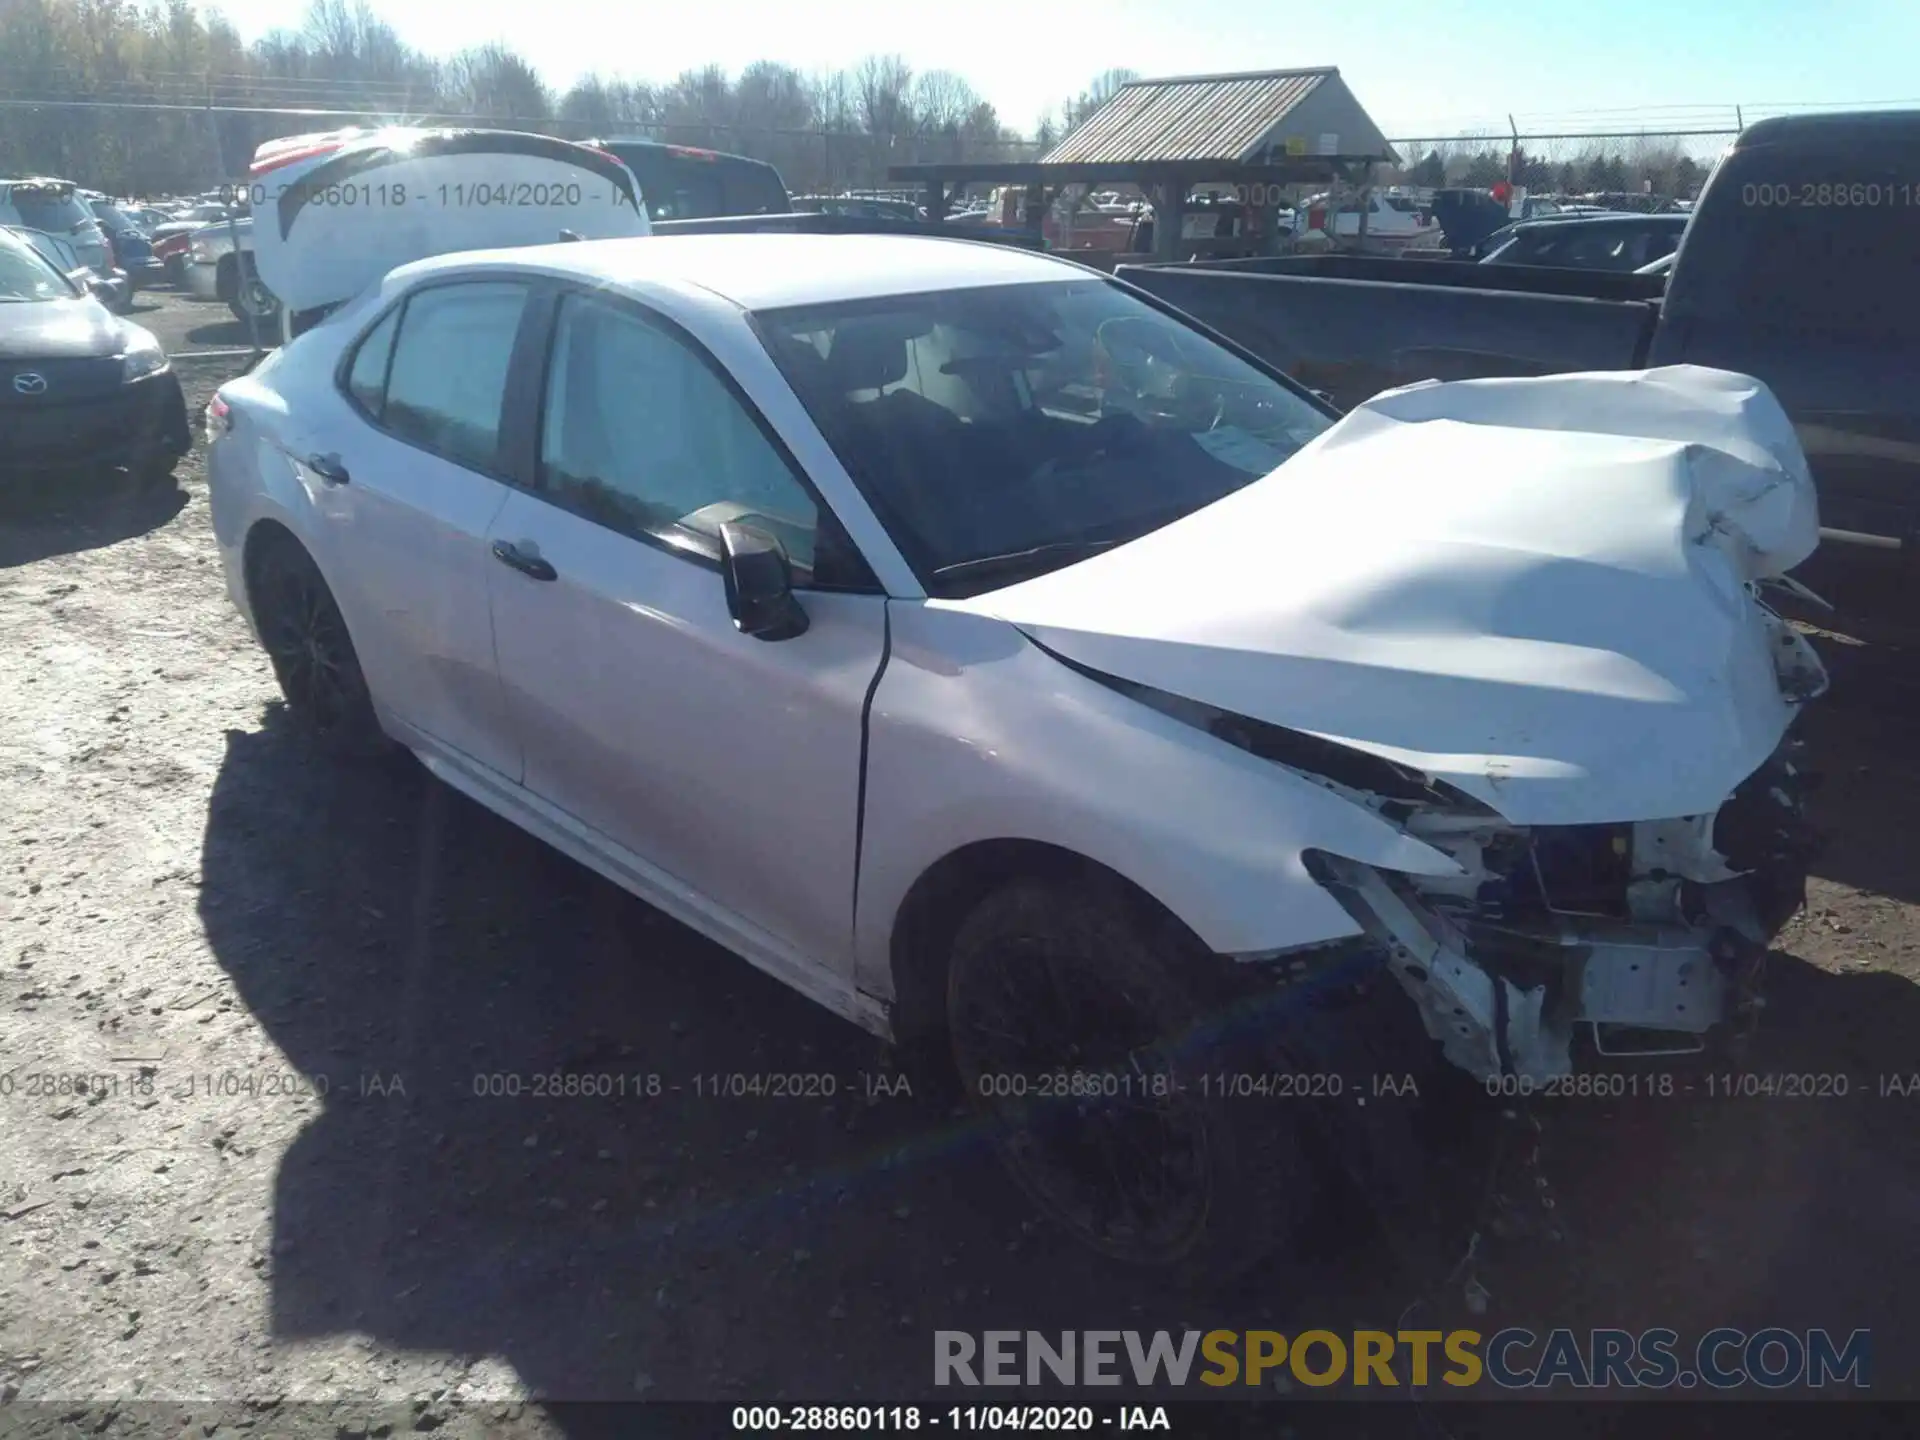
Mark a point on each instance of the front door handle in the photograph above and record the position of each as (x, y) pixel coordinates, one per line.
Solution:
(329, 469)
(533, 566)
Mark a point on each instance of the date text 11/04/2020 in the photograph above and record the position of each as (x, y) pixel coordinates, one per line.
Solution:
(897, 1419)
(396, 195)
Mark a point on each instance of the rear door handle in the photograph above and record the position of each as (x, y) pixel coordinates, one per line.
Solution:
(530, 565)
(329, 469)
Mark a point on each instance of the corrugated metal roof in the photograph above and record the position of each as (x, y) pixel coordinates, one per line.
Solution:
(1199, 117)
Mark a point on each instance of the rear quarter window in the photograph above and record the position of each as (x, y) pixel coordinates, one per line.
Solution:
(1808, 241)
(367, 376)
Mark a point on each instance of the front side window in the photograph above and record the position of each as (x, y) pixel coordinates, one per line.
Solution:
(448, 377)
(640, 435)
(1001, 431)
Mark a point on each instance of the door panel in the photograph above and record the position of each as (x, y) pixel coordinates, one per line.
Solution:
(731, 763)
(409, 527)
(415, 559)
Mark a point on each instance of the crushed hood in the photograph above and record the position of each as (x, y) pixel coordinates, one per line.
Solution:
(1534, 589)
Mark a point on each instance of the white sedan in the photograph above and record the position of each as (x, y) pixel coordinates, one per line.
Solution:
(997, 657)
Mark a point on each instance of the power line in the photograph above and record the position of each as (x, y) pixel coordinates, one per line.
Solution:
(1560, 135)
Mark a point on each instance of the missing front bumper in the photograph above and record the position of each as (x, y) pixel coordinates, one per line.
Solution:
(1509, 1001)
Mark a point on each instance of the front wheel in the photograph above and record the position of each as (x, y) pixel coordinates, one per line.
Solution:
(1083, 1035)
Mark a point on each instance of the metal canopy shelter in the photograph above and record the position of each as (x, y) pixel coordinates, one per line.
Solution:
(1262, 129)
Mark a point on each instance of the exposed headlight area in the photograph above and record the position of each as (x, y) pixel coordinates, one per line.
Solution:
(1639, 938)
(142, 356)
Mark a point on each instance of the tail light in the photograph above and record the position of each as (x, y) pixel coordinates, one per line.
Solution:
(113, 255)
(219, 418)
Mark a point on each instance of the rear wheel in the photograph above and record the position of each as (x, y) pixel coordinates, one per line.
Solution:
(1083, 1032)
(252, 300)
(313, 658)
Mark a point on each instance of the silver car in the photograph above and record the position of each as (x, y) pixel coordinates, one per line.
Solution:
(220, 267)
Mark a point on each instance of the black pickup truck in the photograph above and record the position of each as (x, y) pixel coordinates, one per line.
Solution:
(1801, 266)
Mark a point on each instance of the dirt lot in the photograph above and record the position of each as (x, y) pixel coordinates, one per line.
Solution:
(191, 910)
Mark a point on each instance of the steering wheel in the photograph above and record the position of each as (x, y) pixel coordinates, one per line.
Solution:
(1139, 345)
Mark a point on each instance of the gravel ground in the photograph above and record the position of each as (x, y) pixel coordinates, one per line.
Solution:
(195, 913)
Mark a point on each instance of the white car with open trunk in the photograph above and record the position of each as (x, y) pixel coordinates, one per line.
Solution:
(999, 658)
(330, 212)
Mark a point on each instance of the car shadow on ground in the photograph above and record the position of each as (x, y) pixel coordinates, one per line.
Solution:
(64, 515)
(520, 1153)
(646, 1238)
(228, 333)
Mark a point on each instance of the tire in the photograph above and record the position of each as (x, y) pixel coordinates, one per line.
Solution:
(1154, 1168)
(306, 640)
(252, 300)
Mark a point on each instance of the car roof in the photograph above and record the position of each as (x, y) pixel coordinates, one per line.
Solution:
(1561, 222)
(1839, 129)
(769, 270)
(662, 147)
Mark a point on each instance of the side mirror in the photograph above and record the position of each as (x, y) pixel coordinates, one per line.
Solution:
(759, 584)
(101, 290)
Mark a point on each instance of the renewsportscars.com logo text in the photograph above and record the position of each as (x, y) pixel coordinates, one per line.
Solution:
(1725, 1359)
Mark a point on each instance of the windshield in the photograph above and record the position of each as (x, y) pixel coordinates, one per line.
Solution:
(1003, 431)
(55, 210)
(24, 276)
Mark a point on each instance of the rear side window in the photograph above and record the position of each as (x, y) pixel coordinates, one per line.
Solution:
(448, 377)
(1829, 244)
(367, 379)
(1660, 243)
(48, 208)
(688, 190)
(755, 190)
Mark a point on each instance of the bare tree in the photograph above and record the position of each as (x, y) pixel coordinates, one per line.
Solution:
(942, 100)
(883, 90)
(698, 107)
(493, 81)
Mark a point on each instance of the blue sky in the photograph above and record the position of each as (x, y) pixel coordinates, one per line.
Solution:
(1419, 67)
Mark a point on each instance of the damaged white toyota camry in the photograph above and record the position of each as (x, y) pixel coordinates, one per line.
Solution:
(999, 658)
